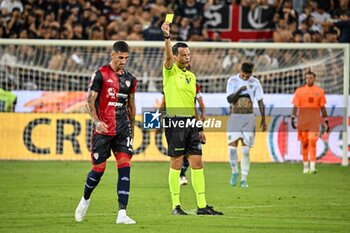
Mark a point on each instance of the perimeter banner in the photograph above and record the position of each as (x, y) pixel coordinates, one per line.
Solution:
(43, 136)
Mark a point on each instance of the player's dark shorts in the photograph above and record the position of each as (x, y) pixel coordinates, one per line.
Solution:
(182, 140)
(102, 145)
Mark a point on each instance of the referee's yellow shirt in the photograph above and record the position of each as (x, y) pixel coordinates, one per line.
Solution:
(180, 91)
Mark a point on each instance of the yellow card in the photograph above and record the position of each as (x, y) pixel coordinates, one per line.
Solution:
(169, 18)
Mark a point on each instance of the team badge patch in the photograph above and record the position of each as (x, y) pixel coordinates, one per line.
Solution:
(96, 155)
(127, 82)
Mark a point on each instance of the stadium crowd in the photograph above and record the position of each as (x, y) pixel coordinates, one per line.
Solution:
(294, 21)
(67, 68)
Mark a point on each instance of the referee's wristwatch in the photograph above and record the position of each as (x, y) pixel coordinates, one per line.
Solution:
(166, 37)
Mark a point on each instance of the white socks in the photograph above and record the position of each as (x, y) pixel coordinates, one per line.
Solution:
(233, 157)
(122, 213)
(245, 163)
(122, 218)
(312, 166)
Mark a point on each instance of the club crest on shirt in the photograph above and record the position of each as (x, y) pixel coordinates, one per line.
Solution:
(127, 82)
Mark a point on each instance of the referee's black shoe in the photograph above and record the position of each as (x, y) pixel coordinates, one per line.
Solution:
(208, 210)
(178, 211)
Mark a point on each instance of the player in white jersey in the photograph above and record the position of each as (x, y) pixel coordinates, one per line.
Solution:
(241, 91)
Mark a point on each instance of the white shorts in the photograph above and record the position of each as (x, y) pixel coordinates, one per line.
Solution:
(241, 126)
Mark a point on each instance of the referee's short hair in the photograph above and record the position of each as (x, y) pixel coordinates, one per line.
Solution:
(177, 46)
(121, 46)
(247, 67)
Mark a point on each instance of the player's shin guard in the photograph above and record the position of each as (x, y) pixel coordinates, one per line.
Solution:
(92, 180)
(245, 163)
(198, 184)
(233, 157)
(174, 186)
(123, 186)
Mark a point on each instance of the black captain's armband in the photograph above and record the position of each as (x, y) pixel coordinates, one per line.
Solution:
(244, 96)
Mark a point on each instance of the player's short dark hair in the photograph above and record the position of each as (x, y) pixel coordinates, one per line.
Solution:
(177, 46)
(247, 67)
(310, 72)
(121, 46)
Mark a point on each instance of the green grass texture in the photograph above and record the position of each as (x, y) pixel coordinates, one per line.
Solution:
(38, 196)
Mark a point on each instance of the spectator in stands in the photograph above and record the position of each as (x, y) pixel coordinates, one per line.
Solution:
(197, 32)
(56, 60)
(65, 33)
(191, 9)
(316, 36)
(307, 9)
(184, 29)
(96, 33)
(298, 36)
(153, 33)
(320, 15)
(216, 37)
(330, 36)
(269, 60)
(231, 61)
(282, 34)
(7, 7)
(158, 8)
(78, 32)
(341, 9)
(2, 33)
(343, 25)
(145, 19)
(136, 32)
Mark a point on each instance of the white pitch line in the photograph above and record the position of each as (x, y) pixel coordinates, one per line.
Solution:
(269, 206)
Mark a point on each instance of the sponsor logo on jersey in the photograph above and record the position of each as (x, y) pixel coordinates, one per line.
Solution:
(116, 104)
(111, 93)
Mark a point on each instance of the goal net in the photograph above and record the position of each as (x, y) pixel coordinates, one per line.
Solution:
(68, 65)
(60, 71)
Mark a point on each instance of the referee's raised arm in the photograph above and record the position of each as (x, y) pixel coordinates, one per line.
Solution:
(169, 58)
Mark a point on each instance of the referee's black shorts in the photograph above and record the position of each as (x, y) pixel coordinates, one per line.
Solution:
(182, 140)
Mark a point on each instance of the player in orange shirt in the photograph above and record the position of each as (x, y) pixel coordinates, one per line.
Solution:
(310, 99)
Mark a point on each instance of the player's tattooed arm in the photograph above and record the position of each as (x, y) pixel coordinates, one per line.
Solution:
(263, 125)
(243, 106)
(235, 96)
(90, 106)
(132, 111)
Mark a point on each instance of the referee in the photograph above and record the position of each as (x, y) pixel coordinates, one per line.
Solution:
(179, 86)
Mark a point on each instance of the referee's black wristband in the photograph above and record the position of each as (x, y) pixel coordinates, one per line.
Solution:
(166, 37)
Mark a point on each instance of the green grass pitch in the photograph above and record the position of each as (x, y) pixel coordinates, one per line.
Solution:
(42, 197)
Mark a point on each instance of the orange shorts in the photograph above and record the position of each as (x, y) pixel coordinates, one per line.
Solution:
(306, 135)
